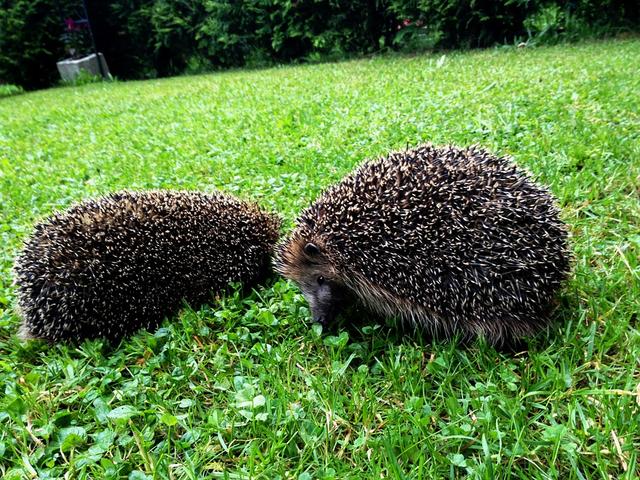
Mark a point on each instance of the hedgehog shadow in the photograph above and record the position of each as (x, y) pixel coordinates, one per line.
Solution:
(357, 322)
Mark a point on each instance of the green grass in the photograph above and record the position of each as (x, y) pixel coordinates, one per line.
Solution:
(246, 388)
(7, 90)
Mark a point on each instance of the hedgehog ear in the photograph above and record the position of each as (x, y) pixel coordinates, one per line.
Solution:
(311, 249)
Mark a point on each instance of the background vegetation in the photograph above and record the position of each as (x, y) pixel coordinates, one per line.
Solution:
(156, 38)
(246, 387)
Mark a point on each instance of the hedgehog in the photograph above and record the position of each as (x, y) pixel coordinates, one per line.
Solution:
(108, 267)
(452, 241)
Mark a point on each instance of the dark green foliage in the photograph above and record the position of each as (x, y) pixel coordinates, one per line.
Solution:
(157, 38)
(231, 35)
(146, 38)
(558, 21)
(462, 23)
(31, 40)
(321, 27)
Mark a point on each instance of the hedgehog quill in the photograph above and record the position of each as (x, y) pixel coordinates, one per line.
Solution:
(111, 266)
(450, 240)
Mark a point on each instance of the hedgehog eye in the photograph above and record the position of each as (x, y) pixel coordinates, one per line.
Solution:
(320, 280)
(311, 249)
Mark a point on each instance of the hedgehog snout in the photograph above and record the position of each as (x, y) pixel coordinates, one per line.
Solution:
(322, 320)
(325, 301)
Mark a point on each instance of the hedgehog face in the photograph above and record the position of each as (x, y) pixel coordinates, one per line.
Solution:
(309, 267)
(320, 286)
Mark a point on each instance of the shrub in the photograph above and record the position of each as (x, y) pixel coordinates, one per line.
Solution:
(560, 21)
(31, 40)
(462, 23)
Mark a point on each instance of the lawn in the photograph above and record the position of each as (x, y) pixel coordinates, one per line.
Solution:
(246, 387)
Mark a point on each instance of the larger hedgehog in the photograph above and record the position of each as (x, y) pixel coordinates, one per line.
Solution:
(108, 267)
(456, 241)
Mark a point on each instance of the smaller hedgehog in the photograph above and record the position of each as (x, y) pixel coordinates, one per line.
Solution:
(456, 241)
(111, 266)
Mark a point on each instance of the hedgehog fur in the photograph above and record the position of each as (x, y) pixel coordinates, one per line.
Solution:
(451, 240)
(111, 266)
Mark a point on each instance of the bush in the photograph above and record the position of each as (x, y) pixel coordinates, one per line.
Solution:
(31, 40)
(462, 23)
(554, 22)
